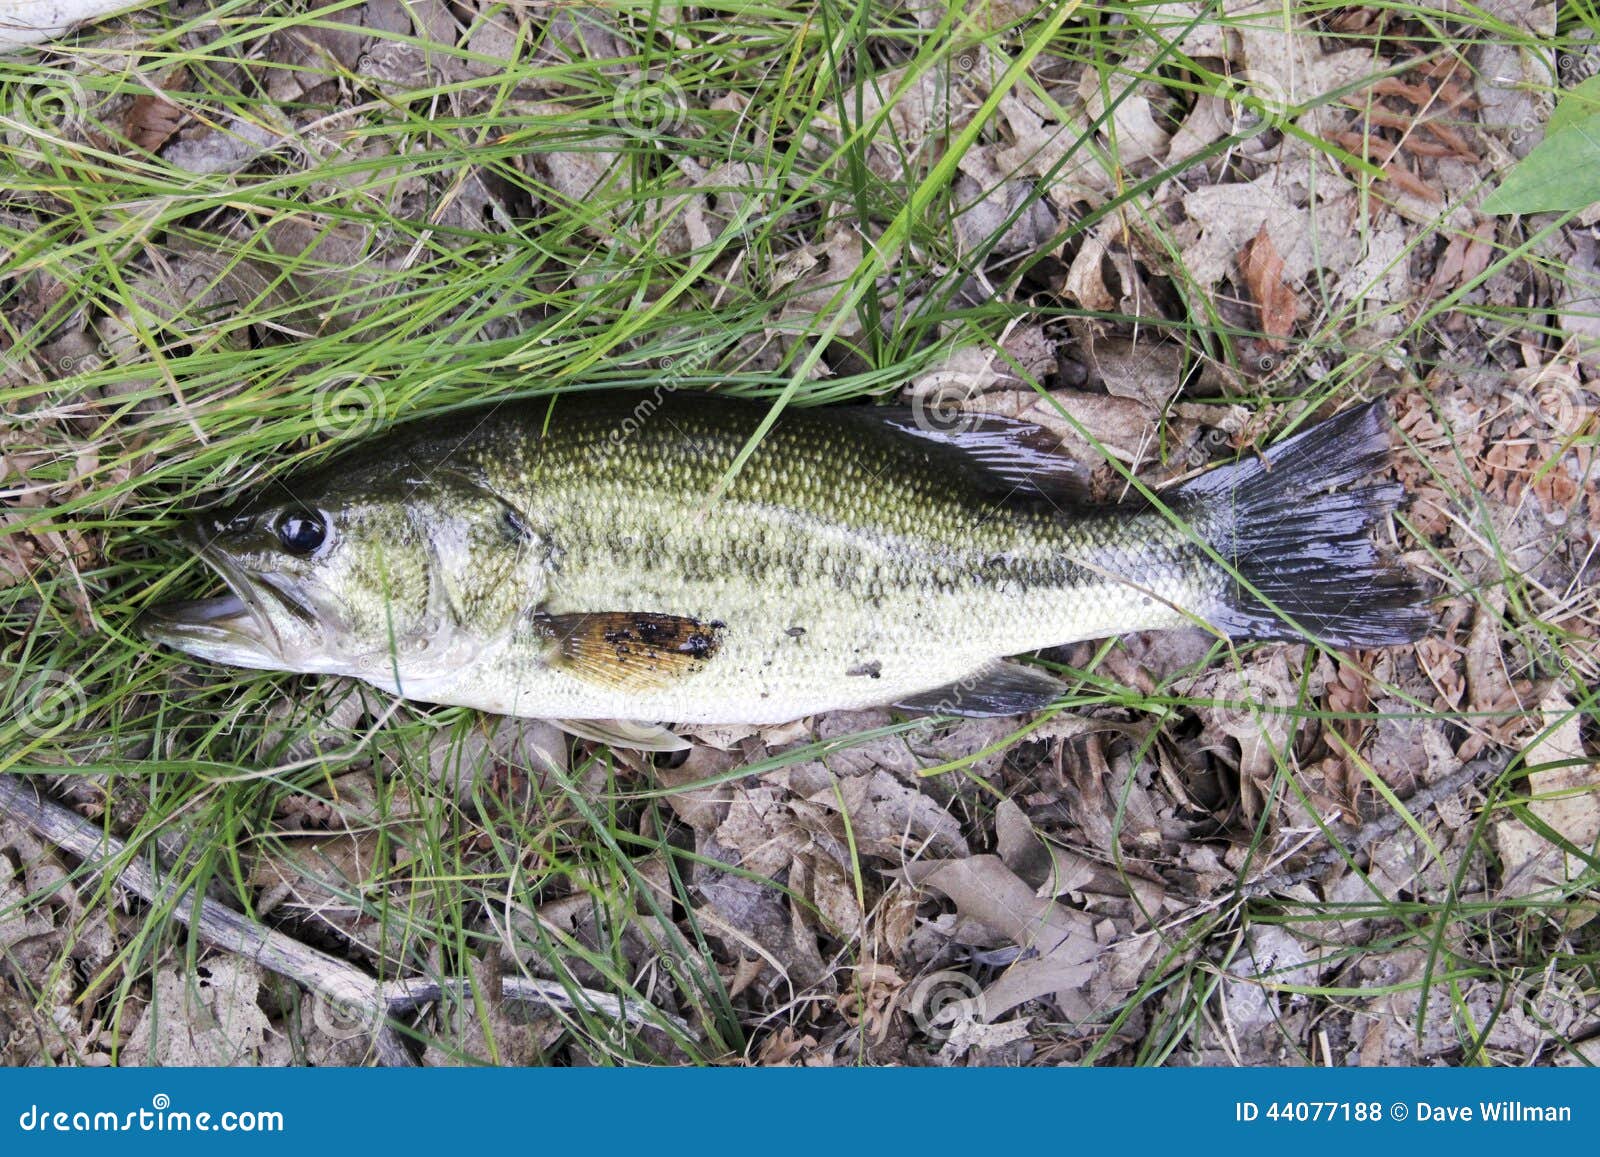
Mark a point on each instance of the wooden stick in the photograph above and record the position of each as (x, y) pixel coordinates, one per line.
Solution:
(362, 997)
(400, 995)
(342, 983)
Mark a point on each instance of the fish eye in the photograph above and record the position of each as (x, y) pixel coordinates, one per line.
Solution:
(301, 532)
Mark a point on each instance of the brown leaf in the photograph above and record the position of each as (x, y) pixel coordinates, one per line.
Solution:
(1059, 943)
(1416, 93)
(703, 806)
(745, 972)
(870, 1000)
(152, 118)
(1464, 258)
(1451, 138)
(214, 1018)
(783, 1046)
(1262, 270)
(1085, 282)
(1405, 179)
(761, 830)
(1440, 660)
(1342, 780)
(833, 893)
(1564, 787)
(1055, 869)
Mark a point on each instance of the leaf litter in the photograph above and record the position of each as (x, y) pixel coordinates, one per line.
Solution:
(957, 893)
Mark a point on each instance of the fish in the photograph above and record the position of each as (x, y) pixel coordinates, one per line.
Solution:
(594, 558)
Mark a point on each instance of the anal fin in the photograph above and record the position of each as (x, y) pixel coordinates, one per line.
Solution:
(996, 689)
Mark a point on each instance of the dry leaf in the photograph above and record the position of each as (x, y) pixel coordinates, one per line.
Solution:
(152, 118)
(781, 1048)
(1405, 179)
(1566, 796)
(870, 1000)
(1466, 257)
(1262, 270)
(1024, 852)
(1059, 944)
(968, 1034)
(208, 1017)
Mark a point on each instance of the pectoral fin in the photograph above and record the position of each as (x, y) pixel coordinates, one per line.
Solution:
(625, 733)
(630, 650)
(998, 689)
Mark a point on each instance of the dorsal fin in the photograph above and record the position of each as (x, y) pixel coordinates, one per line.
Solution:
(1008, 457)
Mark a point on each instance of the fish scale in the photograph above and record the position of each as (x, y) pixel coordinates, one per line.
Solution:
(885, 564)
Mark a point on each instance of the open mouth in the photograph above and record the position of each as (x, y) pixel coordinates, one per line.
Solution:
(235, 628)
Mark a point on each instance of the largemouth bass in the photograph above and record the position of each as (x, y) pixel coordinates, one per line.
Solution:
(572, 559)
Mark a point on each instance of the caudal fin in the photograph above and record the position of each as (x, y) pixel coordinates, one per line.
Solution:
(1295, 529)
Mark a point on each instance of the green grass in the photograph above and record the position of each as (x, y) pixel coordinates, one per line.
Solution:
(221, 348)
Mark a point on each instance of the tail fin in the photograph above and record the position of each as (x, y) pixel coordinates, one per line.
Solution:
(1291, 530)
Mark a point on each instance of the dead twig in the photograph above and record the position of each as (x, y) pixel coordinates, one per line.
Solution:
(337, 981)
(401, 995)
(1367, 834)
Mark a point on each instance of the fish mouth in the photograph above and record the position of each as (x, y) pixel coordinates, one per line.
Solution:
(235, 629)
